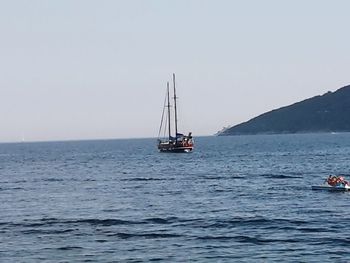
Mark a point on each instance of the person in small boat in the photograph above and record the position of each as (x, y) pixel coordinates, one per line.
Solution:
(334, 180)
(342, 181)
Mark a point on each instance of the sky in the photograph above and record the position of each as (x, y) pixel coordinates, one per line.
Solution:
(83, 69)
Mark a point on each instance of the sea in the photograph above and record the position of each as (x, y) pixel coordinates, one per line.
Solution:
(233, 199)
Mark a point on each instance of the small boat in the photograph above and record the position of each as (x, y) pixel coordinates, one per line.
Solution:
(331, 188)
(167, 142)
(333, 183)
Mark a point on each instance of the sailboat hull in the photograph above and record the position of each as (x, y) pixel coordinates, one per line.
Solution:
(173, 148)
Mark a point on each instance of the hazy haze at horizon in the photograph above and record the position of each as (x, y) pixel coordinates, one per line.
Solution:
(98, 69)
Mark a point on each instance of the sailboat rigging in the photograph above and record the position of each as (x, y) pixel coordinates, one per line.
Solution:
(180, 142)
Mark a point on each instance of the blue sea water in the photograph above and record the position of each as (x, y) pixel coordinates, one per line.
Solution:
(234, 199)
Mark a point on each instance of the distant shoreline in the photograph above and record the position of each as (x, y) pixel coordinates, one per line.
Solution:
(283, 133)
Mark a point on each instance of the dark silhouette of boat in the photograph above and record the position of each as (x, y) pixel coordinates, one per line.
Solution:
(168, 143)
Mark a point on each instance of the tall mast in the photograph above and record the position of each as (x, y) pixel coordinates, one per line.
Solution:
(169, 127)
(175, 107)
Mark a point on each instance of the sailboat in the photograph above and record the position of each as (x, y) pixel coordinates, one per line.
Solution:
(168, 143)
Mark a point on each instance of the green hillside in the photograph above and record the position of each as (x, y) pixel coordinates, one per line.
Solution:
(327, 113)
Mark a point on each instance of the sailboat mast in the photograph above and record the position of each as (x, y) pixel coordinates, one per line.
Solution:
(175, 107)
(169, 122)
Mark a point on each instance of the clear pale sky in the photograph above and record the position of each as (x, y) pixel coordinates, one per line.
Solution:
(82, 69)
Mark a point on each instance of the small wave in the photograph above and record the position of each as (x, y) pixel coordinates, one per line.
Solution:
(261, 241)
(46, 232)
(69, 248)
(143, 179)
(214, 177)
(336, 242)
(45, 222)
(101, 222)
(279, 176)
(296, 173)
(111, 222)
(215, 238)
(145, 235)
(255, 221)
(16, 182)
(37, 223)
(53, 221)
(313, 229)
(237, 177)
(101, 240)
(157, 220)
(11, 188)
(156, 259)
(248, 239)
(222, 190)
(53, 180)
(111, 210)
